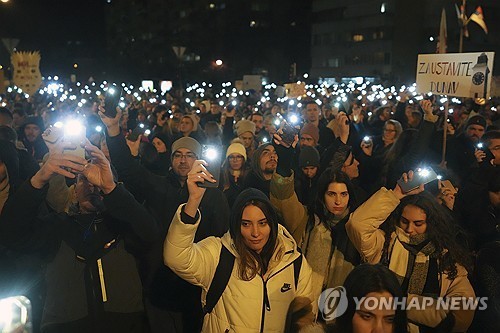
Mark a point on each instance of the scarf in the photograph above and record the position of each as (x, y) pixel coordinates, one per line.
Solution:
(410, 259)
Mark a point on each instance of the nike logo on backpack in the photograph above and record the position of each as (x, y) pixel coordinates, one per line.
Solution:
(286, 287)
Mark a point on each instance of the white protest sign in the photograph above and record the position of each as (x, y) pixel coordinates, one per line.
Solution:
(455, 74)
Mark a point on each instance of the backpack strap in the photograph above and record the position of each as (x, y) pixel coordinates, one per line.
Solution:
(220, 280)
(297, 264)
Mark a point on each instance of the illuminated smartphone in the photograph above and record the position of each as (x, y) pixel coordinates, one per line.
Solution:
(421, 176)
(52, 134)
(112, 100)
(289, 133)
(213, 156)
(75, 133)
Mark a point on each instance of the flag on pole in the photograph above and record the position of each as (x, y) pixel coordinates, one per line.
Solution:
(441, 44)
(478, 17)
(462, 19)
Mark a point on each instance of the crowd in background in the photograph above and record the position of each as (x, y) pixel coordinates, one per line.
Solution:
(334, 187)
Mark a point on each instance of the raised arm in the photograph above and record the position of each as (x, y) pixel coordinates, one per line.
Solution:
(140, 180)
(363, 225)
(118, 201)
(282, 190)
(194, 262)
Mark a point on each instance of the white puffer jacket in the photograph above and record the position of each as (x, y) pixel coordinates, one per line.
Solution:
(241, 307)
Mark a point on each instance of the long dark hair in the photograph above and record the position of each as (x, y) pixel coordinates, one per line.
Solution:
(253, 263)
(441, 231)
(365, 279)
(327, 177)
(226, 174)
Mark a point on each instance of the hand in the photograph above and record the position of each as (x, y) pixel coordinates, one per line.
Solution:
(357, 117)
(98, 172)
(367, 148)
(231, 113)
(406, 178)
(133, 145)
(450, 129)
(66, 165)
(426, 105)
(198, 174)
(403, 96)
(343, 126)
(279, 140)
(480, 155)
(446, 197)
(112, 124)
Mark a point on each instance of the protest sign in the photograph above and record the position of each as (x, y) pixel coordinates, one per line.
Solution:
(455, 74)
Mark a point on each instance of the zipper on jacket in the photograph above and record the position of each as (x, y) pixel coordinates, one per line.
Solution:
(266, 304)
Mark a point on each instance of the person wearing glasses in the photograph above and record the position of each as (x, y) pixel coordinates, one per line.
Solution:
(234, 170)
(172, 304)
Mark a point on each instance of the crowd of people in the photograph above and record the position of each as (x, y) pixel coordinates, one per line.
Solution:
(135, 227)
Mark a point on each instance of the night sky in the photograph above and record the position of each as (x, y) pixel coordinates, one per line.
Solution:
(46, 25)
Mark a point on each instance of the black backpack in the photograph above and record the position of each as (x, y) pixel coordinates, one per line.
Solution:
(223, 274)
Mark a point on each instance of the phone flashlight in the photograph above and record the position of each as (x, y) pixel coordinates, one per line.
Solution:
(73, 128)
(423, 172)
(98, 128)
(264, 140)
(366, 139)
(210, 154)
(147, 132)
(293, 119)
(480, 145)
(121, 105)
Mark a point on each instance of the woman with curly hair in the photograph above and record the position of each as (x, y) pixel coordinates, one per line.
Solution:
(416, 238)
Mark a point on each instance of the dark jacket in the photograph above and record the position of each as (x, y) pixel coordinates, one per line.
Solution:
(474, 209)
(460, 156)
(163, 195)
(78, 250)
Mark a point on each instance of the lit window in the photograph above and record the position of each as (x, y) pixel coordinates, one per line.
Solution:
(357, 38)
(333, 62)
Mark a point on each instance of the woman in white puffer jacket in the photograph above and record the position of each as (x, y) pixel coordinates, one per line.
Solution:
(262, 285)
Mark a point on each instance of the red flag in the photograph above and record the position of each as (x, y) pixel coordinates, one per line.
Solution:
(478, 17)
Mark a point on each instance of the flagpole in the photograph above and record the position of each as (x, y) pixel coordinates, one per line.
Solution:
(460, 47)
(445, 132)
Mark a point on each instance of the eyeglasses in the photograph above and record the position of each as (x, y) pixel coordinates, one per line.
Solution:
(235, 157)
(190, 156)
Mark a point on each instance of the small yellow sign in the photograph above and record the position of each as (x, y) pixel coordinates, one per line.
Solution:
(26, 73)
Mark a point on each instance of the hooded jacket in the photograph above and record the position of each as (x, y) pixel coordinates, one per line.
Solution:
(256, 178)
(242, 306)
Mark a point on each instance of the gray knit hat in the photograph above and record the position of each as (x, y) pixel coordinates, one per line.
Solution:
(308, 156)
(187, 143)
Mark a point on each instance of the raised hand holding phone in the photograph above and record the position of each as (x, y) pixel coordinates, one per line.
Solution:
(407, 181)
(58, 164)
(212, 156)
(198, 174)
